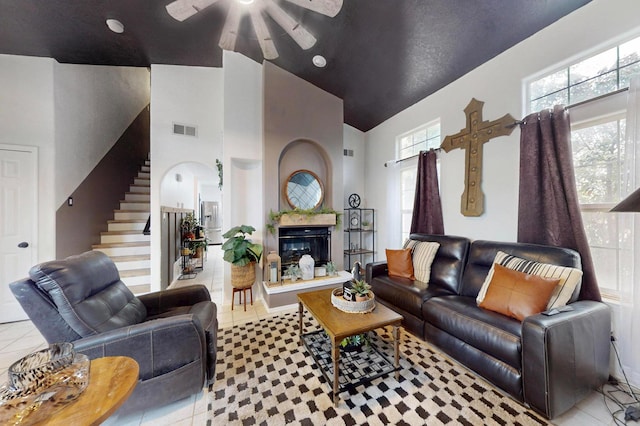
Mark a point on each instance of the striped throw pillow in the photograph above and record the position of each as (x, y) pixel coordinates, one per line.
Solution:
(423, 254)
(569, 277)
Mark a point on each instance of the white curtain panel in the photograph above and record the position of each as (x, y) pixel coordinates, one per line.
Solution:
(627, 327)
(393, 208)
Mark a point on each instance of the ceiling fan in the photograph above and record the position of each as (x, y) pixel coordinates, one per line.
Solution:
(256, 9)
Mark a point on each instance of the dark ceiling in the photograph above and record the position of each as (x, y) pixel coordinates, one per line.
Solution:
(383, 55)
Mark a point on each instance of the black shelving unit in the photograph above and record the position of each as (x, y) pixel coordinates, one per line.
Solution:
(360, 242)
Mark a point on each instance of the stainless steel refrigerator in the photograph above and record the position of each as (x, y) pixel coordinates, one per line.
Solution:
(210, 213)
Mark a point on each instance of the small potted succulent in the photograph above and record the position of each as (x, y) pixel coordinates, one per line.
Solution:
(294, 272)
(331, 269)
(362, 290)
(354, 343)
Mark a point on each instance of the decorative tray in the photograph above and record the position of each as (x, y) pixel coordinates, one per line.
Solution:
(356, 307)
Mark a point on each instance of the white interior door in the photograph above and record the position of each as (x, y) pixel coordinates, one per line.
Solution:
(18, 219)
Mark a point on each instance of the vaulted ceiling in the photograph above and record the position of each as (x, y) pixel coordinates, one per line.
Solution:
(382, 55)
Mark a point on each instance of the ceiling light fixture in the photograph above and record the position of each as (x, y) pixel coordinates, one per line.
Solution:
(115, 26)
(319, 61)
(183, 9)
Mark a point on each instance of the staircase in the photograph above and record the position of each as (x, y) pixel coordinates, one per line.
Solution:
(124, 241)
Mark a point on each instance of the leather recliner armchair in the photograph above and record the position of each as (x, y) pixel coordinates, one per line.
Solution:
(171, 334)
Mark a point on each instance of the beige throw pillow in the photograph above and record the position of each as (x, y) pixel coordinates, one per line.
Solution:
(423, 254)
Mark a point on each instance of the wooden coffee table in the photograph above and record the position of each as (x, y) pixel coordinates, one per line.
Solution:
(339, 325)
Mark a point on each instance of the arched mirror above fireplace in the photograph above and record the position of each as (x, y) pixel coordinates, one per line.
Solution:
(303, 190)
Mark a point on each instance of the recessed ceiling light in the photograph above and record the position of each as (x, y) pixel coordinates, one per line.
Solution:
(115, 26)
(245, 1)
(319, 61)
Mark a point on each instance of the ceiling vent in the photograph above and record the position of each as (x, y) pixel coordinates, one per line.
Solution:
(348, 152)
(184, 129)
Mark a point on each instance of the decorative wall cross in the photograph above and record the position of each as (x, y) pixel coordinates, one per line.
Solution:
(471, 140)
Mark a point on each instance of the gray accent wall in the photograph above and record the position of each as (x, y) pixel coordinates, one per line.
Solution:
(303, 129)
(79, 226)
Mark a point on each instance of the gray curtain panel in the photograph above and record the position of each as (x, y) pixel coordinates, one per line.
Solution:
(427, 209)
(548, 211)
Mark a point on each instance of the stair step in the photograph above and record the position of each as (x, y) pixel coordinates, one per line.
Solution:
(144, 175)
(147, 162)
(130, 214)
(143, 189)
(126, 225)
(123, 237)
(123, 249)
(137, 196)
(134, 264)
(146, 168)
(133, 258)
(137, 290)
(135, 205)
(145, 272)
(142, 181)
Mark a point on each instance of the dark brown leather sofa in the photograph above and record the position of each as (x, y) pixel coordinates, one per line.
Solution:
(171, 334)
(547, 362)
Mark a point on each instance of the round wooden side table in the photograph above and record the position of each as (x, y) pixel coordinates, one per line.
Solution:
(111, 381)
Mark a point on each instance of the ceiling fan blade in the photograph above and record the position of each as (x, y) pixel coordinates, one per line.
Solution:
(183, 9)
(297, 32)
(231, 28)
(269, 50)
(325, 7)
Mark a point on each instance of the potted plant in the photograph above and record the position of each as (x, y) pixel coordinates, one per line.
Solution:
(188, 226)
(362, 290)
(353, 343)
(331, 268)
(242, 253)
(294, 272)
(366, 225)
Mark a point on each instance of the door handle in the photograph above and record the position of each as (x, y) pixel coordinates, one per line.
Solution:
(23, 244)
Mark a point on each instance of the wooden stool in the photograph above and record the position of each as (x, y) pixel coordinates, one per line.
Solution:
(242, 291)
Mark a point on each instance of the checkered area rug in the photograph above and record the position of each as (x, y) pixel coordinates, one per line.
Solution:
(266, 377)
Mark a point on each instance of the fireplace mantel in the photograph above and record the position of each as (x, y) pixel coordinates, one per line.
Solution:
(295, 219)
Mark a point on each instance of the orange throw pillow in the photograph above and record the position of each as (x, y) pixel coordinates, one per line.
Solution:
(400, 264)
(517, 294)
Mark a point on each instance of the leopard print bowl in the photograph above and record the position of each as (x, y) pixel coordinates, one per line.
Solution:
(38, 395)
(29, 372)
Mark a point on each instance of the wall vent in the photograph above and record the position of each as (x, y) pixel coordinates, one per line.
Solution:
(348, 152)
(185, 129)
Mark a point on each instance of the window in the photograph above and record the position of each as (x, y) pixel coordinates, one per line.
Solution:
(421, 139)
(597, 75)
(599, 157)
(598, 141)
(409, 145)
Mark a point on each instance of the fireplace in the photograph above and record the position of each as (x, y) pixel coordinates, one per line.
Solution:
(293, 243)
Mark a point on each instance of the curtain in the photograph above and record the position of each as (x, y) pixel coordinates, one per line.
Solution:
(427, 209)
(548, 210)
(627, 320)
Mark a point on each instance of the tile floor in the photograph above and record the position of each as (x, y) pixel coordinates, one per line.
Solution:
(20, 338)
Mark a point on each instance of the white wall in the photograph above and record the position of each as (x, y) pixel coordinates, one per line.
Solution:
(499, 83)
(27, 118)
(187, 95)
(94, 105)
(353, 168)
(243, 190)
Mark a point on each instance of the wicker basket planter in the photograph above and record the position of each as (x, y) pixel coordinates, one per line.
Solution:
(243, 276)
(348, 306)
